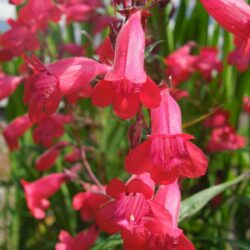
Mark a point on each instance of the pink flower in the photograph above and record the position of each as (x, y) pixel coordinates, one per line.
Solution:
(15, 130)
(44, 89)
(73, 156)
(50, 128)
(167, 235)
(126, 84)
(207, 63)
(167, 154)
(225, 138)
(16, 41)
(240, 57)
(38, 192)
(48, 158)
(129, 204)
(159, 229)
(246, 104)
(234, 16)
(83, 241)
(218, 119)
(89, 202)
(180, 64)
(37, 14)
(8, 84)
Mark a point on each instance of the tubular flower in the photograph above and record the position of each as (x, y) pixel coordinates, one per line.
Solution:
(225, 138)
(8, 84)
(38, 192)
(207, 63)
(234, 16)
(129, 204)
(50, 128)
(165, 235)
(180, 64)
(16, 41)
(240, 57)
(15, 130)
(167, 154)
(44, 89)
(89, 202)
(83, 241)
(37, 14)
(48, 158)
(126, 84)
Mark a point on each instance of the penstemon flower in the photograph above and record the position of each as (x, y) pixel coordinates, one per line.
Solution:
(126, 85)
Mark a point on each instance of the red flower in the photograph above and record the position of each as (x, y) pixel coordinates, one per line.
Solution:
(44, 89)
(240, 57)
(127, 84)
(15, 130)
(225, 138)
(234, 16)
(218, 119)
(8, 84)
(83, 241)
(50, 128)
(167, 154)
(37, 14)
(89, 202)
(207, 62)
(180, 64)
(38, 192)
(128, 206)
(160, 229)
(48, 158)
(16, 41)
(72, 49)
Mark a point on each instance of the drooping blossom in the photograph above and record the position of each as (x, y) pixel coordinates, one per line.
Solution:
(126, 84)
(16, 41)
(234, 16)
(207, 63)
(240, 57)
(165, 236)
(106, 52)
(44, 89)
(38, 192)
(48, 158)
(50, 128)
(37, 14)
(246, 104)
(128, 206)
(167, 153)
(225, 138)
(8, 84)
(15, 130)
(218, 119)
(89, 202)
(180, 64)
(82, 241)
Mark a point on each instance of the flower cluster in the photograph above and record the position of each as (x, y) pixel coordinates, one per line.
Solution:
(145, 209)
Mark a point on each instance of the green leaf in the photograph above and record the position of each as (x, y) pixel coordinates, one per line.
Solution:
(108, 244)
(193, 204)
